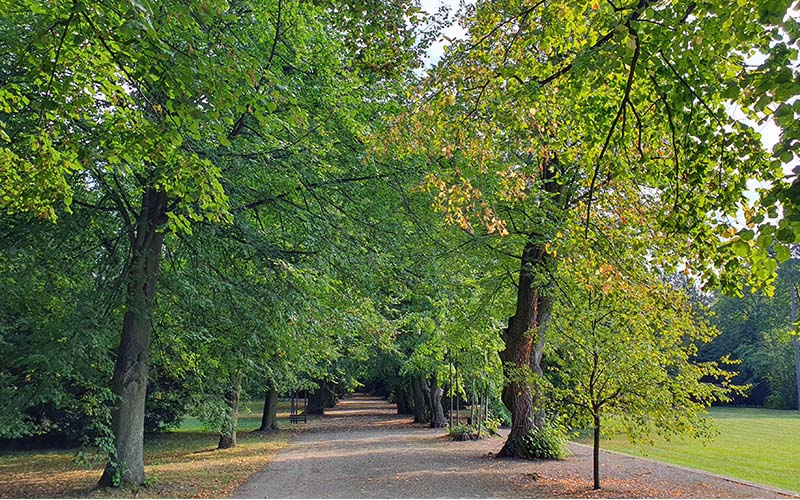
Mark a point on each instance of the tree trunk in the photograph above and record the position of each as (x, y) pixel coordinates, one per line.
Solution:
(129, 383)
(796, 343)
(316, 401)
(330, 394)
(524, 343)
(403, 403)
(596, 453)
(269, 417)
(437, 419)
(426, 394)
(227, 436)
(419, 401)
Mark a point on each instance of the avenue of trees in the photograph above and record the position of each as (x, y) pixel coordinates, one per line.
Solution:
(206, 202)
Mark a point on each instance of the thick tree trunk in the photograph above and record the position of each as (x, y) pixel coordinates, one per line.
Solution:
(524, 343)
(419, 401)
(269, 417)
(596, 453)
(437, 419)
(227, 436)
(129, 383)
(316, 401)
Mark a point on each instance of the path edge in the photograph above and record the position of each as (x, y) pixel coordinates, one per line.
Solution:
(772, 489)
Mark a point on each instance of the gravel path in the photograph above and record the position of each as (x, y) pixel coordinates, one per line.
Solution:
(362, 449)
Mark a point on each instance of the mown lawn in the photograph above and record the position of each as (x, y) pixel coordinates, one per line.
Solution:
(758, 445)
(183, 463)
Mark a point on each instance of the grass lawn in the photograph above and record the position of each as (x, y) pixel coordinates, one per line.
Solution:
(758, 445)
(179, 464)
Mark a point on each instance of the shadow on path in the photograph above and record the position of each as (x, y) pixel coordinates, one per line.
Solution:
(363, 449)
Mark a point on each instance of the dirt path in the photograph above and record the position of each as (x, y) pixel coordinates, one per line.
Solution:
(362, 449)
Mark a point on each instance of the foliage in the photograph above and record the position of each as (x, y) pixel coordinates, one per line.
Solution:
(615, 101)
(167, 402)
(768, 95)
(548, 442)
(755, 329)
(463, 432)
(777, 362)
(57, 315)
(623, 347)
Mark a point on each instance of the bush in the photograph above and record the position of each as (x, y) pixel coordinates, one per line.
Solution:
(491, 425)
(548, 442)
(469, 432)
(462, 432)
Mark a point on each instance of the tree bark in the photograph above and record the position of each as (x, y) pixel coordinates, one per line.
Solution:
(316, 401)
(524, 343)
(269, 417)
(437, 420)
(330, 394)
(129, 383)
(596, 453)
(402, 400)
(419, 401)
(227, 436)
(426, 394)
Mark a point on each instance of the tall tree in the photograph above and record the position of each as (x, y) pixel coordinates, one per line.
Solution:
(136, 109)
(546, 108)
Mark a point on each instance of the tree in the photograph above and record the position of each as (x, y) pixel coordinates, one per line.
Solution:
(622, 353)
(163, 117)
(58, 316)
(546, 109)
(756, 329)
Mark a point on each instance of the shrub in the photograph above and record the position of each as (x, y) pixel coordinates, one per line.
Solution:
(548, 442)
(463, 432)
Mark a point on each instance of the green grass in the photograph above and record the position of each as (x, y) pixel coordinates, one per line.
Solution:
(249, 418)
(181, 463)
(758, 445)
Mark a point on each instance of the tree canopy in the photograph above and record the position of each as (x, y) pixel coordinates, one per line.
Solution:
(229, 199)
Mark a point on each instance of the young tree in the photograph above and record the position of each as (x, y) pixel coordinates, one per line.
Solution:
(622, 353)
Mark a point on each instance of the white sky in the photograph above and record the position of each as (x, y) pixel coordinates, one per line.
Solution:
(453, 31)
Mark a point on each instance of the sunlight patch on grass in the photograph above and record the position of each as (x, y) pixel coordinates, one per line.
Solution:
(180, 464)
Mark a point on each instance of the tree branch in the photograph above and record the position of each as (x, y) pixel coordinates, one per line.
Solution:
(623, 104)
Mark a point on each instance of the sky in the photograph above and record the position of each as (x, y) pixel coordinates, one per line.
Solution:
(453, 31)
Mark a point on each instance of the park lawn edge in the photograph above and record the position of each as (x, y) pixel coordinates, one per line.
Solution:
(762, 486)
(179, 464)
